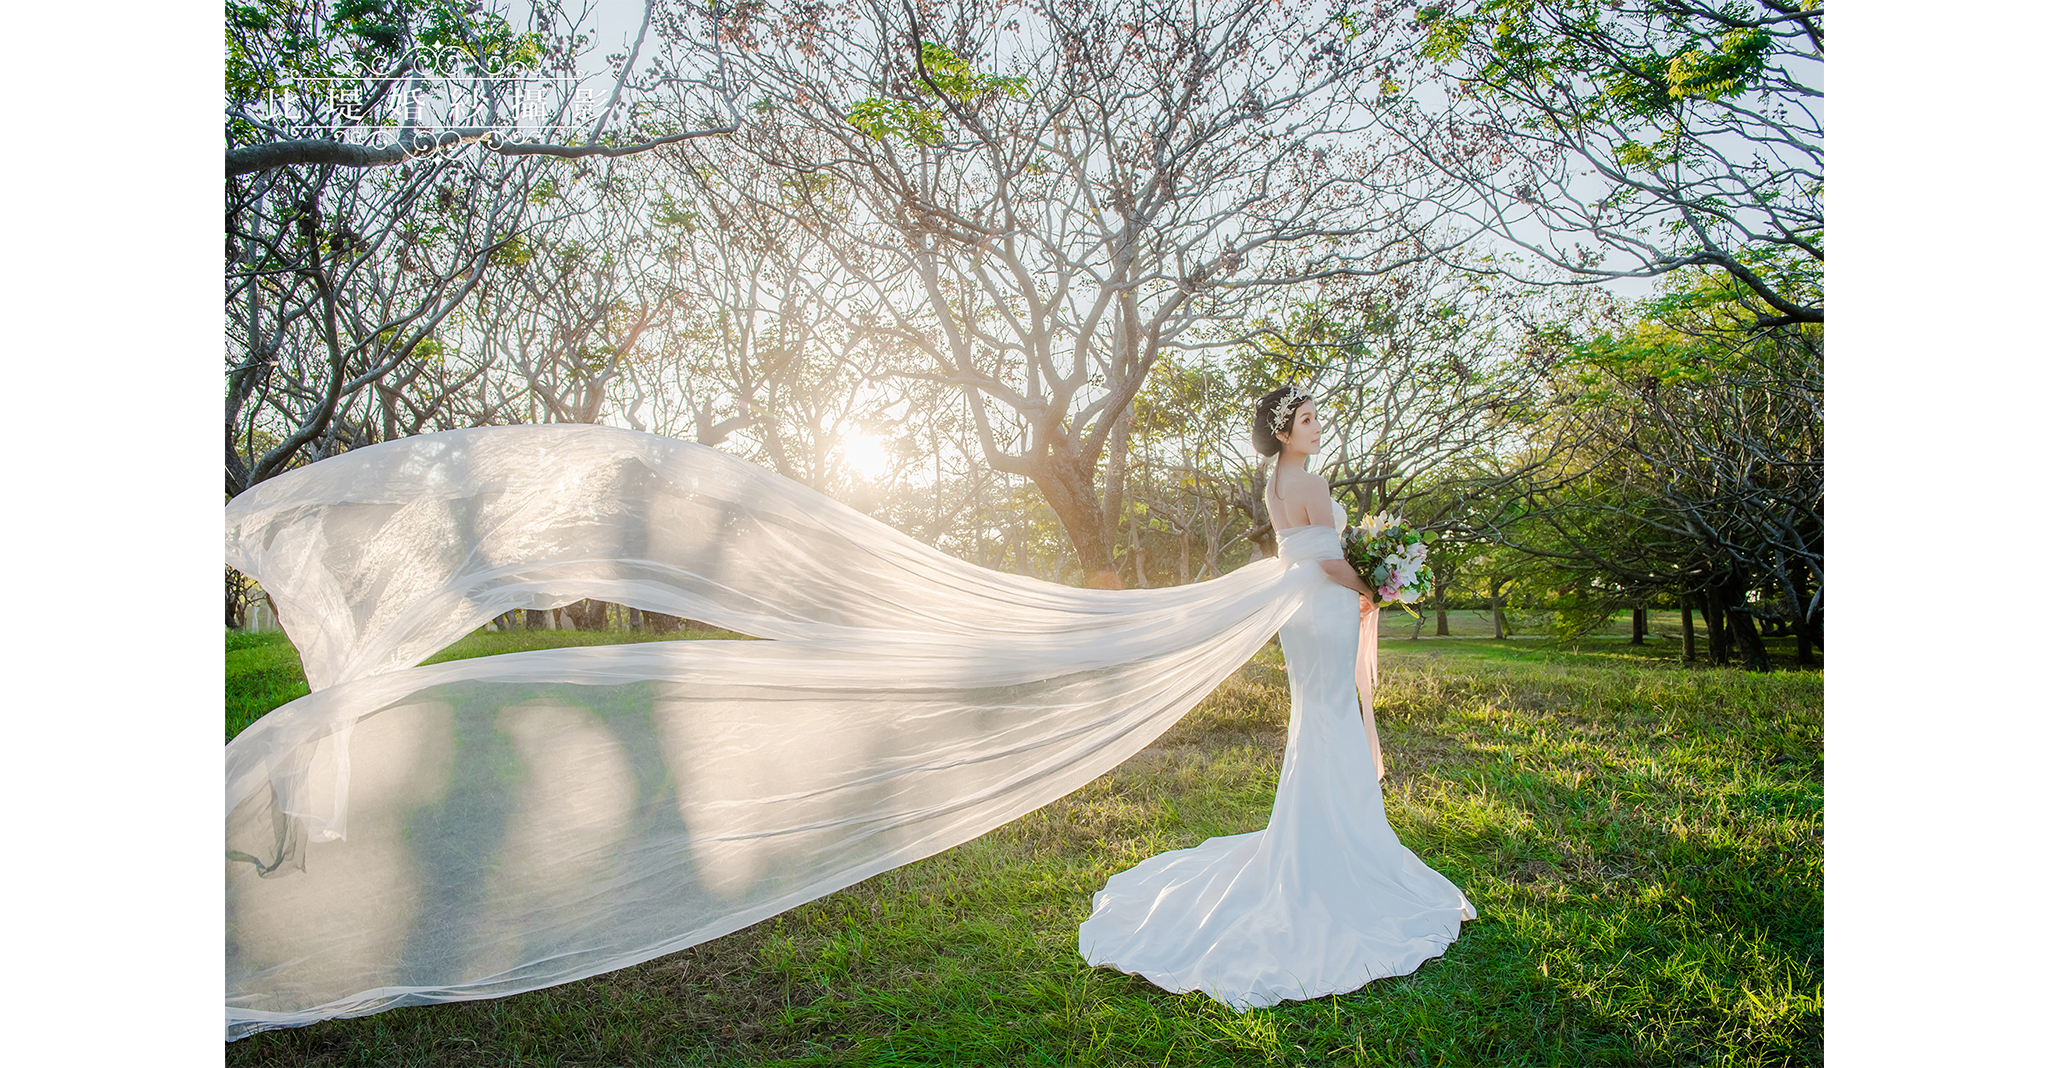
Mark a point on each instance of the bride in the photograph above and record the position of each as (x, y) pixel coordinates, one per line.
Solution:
(1325, 899)
(412, 833)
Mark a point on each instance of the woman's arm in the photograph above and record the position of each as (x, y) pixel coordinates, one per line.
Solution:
(1342, 574)
(1320, 513)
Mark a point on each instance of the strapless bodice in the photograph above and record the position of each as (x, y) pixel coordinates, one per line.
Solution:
(1313, 542)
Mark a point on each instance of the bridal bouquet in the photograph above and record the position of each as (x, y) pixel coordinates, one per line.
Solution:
(1391, 557)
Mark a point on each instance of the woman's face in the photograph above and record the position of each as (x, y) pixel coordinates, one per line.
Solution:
(1307, 436)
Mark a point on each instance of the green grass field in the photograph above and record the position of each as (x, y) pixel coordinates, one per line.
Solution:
(1642, 840)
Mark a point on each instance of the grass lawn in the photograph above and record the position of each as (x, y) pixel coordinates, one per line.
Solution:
(1642, 840)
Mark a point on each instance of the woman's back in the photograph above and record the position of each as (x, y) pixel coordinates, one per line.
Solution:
(1292, 497)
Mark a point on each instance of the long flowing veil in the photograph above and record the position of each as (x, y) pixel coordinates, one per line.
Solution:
(409, 834)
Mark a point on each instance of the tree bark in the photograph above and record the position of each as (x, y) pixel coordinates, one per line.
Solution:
(235, 598)
(1115, 472)
(1754, 656)
(1638, 625)
(1252, 503)
(1071, 493)
(589, 614)
(1738, 625)
(1807, 629)
(1690, 651)
(1717, 635)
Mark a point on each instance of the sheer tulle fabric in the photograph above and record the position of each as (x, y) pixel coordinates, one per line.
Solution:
(1323, 900)
(410, 834)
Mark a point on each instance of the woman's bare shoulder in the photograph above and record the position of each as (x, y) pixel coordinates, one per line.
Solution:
(1298, 484)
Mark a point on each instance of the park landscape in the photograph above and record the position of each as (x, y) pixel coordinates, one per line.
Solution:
(1007, 277)
(1642, 839)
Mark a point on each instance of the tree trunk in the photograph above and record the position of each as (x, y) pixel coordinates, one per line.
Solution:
(1807, 630)
(1443, 621)
(1072, 497)
(1717, 634)
(1138, 553)
(1114, 475)
(1754, 656)
(587, 614)
(1638, 625)
(236, 600)
(1738, 625)
(1689, 651)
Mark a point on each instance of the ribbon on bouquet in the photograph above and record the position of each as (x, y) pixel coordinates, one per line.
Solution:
(1368, 672)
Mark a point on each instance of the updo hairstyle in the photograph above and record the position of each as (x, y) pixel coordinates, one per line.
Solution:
(1284, 402)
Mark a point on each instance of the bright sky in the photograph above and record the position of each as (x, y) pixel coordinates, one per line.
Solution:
(614, 24)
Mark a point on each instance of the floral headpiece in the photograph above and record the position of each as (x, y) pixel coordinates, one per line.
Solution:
(1283, 409)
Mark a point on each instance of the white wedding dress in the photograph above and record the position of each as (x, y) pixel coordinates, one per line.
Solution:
(414, 833)
(1325, 899)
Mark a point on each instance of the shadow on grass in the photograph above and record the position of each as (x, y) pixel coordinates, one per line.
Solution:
(1642, 841)
(264, 672)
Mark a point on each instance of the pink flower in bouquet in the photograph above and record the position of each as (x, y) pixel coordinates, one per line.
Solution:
(1390, 592)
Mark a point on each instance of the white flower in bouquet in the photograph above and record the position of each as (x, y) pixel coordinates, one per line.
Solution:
(1391, 558)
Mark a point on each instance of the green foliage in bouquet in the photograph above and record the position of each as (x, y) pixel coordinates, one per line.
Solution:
(1391, 557)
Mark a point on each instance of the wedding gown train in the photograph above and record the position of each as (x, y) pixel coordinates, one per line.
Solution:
(1325, 898)
(412, 833)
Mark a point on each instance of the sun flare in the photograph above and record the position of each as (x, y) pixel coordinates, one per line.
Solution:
(868, 457)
